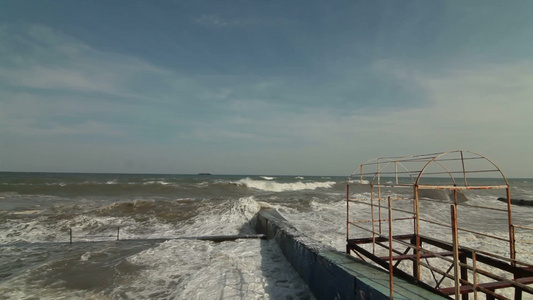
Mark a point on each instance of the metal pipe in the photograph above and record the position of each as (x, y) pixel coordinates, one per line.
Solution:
(391, 266)
(524, 227)
(512, 252)
(347, 216)
(372, 213)
(379, 214)
(455, 250)
(453, 187)
(416, 266)
(466, 230)
(474, 273)
(368, 221)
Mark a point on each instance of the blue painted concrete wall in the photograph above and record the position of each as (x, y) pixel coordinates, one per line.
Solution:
(331, 274)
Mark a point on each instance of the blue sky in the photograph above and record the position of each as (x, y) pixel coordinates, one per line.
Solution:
(262, 87)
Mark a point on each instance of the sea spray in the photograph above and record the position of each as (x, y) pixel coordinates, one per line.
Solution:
(272, 186)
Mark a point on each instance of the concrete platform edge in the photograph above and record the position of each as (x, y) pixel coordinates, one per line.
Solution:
(329, 273)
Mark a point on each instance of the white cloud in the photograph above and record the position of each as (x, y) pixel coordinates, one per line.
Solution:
(51, 60)
(481, 108)
(486, 109)
(59, 86)
(217, 20)
(479, 97)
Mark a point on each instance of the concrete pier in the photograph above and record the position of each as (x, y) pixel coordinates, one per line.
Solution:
(329, 273)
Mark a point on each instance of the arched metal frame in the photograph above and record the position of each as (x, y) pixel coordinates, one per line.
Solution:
(428, 159)
(413, 169)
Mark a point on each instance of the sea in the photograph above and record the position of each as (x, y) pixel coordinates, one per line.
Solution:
(157, 219)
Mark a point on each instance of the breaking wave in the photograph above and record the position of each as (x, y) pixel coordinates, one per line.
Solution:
(273, 186)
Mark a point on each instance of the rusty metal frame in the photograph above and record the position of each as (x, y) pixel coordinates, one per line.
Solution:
(456, 167)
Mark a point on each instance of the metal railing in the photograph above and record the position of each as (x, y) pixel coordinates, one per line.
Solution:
(115, 236)
(462, 260)
(489, 273)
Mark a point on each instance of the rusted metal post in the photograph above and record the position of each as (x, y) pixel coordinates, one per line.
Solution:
(455, 240)
(391, 266)
(517, 291)
(512, 249)
(464, 273)
(373, 223)
(474, 273)
(379, 196)
(347, 217)
(462, 258)
(416, 204)
(379, 214)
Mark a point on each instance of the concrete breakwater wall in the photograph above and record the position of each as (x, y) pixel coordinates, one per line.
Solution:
(522, 202)
(329, 273)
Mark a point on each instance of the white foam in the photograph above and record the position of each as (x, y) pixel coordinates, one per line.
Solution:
(324, 223)
(191, 269)
(268, 177)
(187, 269)
(245, 269)
(360, 181)
(26, 212)
(202, 184)
(157, 182)
(273, 186)
(183, 269)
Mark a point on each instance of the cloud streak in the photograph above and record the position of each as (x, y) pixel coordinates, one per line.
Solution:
(53, 61)
(255, 90)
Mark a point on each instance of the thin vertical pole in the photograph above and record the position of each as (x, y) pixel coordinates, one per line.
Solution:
(373, 223)
(379, 198)
(474, 273)
(70, 234)
(347, 217)
(512, 248)
(416, 204)
(464, 272)
(379, 214)
(379, 173)
(455, 239)
(391, 266)
(118, 233)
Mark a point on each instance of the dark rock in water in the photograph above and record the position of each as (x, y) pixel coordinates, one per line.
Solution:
(522, 202)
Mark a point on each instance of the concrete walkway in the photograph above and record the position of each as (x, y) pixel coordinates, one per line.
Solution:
(329, 273)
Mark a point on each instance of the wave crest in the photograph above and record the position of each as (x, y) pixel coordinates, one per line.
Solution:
(273, 186)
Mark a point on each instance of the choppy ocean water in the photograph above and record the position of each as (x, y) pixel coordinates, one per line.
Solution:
(38, 210)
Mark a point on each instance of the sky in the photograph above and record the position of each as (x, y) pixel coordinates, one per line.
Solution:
(262, 87)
